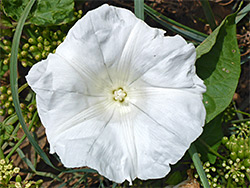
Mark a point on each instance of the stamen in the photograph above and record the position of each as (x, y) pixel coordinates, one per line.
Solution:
(119, 94)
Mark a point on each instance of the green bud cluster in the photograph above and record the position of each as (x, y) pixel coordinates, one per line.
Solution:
(234, 169)
(38, 46)
(5, 56)
(242, 129)
(8, 171)
(43, 41)
(229, 113)
(6, 101)
(28, 112)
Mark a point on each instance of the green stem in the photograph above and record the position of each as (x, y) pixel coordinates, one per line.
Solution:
(211, 149)
(197, 163)
(244, 113)
(139, 9)
(22, 87)
(239, 121)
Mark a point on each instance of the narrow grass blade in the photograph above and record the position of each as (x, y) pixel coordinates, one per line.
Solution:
(25, 159)
(139, 8)
(197, 163)
(175, 26)
(14, 83)
(87, 170)
(242, 13)
(208, 13)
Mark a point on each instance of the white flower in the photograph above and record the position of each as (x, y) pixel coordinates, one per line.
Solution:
(119, 97)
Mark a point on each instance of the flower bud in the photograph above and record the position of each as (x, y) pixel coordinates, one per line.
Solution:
(234, 147)
(29, 115)
(7, 49)
(241, 154)
(40, 39)
(10, 99)
(2, 112)
(9, 91)
(18, 178)
(3, 97)
(33, 48)
(45, 33)
(6, 61)
(32, 41)
(246, 163)
(40, 46)
(26, 46)
(6, 42)
(31, 108)
(38, 57)
(3, 89)
(11, 111)
(22, 105)
(24, 53)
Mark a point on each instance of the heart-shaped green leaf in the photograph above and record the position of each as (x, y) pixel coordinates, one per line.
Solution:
(218, 64)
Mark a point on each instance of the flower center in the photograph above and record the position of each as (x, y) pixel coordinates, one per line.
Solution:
(119, 94)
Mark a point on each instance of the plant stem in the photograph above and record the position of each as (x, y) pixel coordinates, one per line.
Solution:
(211, 149)
(139, 9)
(197, 163)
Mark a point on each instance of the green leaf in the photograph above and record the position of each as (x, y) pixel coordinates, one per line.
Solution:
(211, 135)
(44, 13)
(174, 178)
(53, 12)
(242, 13)
(218, 64)
(14, 8)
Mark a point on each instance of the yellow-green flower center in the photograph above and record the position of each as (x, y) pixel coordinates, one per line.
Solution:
(119, 94)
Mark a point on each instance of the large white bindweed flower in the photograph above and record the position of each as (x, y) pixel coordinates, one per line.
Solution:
(119, 97)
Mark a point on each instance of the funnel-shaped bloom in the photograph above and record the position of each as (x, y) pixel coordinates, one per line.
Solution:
(119, 97)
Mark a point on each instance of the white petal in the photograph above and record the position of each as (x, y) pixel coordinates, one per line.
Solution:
(61, 92)
(169, 121)
(177, 70)
(97, 40)
(104, 143)
(146, 48)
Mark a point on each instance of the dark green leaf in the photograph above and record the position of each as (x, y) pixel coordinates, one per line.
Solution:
(174, 178)
(46, 12)
(218, 64)
(14, 8)
(53, 12)
(211, 135)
